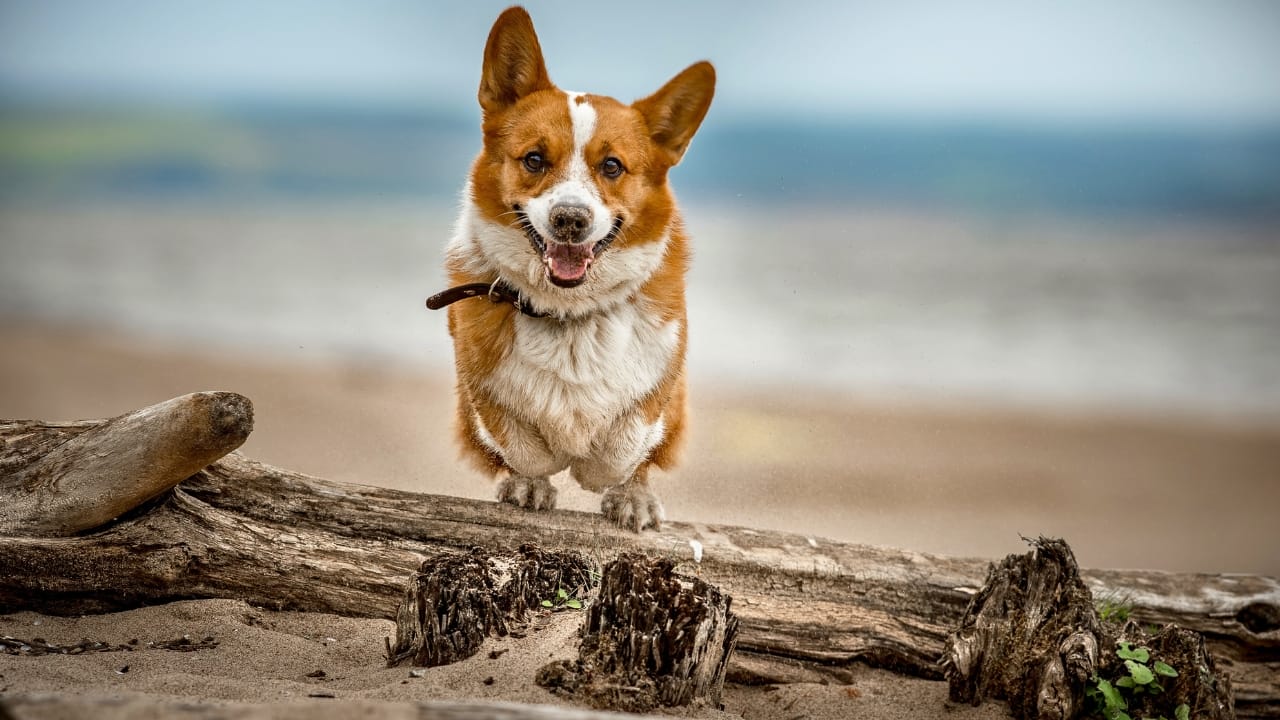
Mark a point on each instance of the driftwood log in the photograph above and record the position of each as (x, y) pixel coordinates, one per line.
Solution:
(651, 637)
(1032, 636)
(807, 607)
(61, 480)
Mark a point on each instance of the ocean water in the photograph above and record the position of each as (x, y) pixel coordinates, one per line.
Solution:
(1157, 313)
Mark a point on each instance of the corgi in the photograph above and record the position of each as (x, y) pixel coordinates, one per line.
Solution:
(570, 229)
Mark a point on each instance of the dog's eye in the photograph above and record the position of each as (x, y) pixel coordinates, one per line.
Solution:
(533, 162)
(611, 167)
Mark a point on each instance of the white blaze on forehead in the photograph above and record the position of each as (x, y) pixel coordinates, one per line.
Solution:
(583, 117)
(578, 186)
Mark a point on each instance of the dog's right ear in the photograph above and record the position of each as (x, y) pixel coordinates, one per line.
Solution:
(513, 65)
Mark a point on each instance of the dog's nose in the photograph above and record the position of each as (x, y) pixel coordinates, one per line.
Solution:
(570, 222)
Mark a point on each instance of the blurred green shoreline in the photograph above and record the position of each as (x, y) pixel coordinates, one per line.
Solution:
(242, 153)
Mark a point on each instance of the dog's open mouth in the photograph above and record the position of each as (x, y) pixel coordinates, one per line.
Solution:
(567, 263)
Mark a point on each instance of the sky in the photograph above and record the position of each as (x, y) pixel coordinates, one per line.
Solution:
(1212, 61)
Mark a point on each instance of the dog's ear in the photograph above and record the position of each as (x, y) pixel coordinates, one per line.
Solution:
(674, 113)
(513, 65)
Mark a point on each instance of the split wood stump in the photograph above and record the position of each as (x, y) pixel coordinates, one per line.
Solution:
(651, 637)
(1032, 636)
(454, 601)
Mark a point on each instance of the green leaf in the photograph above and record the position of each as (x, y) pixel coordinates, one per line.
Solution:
(1125, 682)
(1140, 673)
(1164, 669)
(1140, 654)
(1092, 692)
(574, 603)
(546, 603)
(1111, 697)
(1182, 712)
(561, 595)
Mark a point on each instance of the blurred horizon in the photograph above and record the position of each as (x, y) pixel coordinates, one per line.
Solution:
(1143, 108)
(271, 152)
(1063, 205)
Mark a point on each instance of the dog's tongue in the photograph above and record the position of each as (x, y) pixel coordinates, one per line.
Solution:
(568, 262)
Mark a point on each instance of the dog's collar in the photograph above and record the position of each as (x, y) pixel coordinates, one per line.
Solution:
(498, 292)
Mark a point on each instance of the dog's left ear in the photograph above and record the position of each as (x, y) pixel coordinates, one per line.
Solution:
(674, 113)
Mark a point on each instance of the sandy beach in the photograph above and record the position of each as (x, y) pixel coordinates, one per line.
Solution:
(922, 467)
(1125, 491)
(322, 666)
(958, 280)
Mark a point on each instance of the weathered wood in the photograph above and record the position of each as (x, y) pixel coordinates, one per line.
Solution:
(73, 479)
(1199, 684)
(449, 608)
(651, 637)
(807, 607)
(1032, 636)
(182, 548)
(456, 600)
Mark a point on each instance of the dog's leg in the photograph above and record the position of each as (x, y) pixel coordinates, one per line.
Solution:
(530, 493)
(619, 467)
(632, 504)
(530, 463)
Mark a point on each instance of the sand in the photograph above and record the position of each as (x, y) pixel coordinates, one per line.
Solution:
(275, 659)
(1126, 490)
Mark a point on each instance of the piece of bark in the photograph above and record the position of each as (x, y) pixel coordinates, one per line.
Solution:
(456, 600)
(651, 637)
(1032, 636)
(808, 607)
(448, 611)
(61, 483)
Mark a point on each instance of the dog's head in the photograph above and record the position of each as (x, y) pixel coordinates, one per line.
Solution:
(582, 179)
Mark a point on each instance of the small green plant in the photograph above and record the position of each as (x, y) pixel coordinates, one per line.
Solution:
(563, 600)
(1111, 700)
(1115, 608)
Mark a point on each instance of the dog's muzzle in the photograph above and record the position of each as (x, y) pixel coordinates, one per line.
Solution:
(566, 254)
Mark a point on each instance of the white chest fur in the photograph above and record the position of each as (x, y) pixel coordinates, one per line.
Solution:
(573, 380)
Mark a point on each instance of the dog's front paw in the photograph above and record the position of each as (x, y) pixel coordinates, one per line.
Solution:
(633, 507)
(536, 493)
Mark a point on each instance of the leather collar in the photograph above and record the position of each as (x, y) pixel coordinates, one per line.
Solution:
(498, 292)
